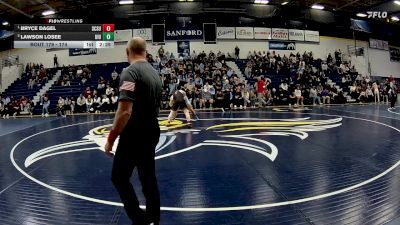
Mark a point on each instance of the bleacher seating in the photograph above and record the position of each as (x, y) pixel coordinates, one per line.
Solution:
(19, 88)
(276, 79)
(76, 88)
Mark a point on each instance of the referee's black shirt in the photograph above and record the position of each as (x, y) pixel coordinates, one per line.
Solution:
(141, 84)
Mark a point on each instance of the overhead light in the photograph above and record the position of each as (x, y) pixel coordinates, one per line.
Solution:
(190, 0)
(284, 3)
(48, 12)
(397, 2)
(5, 23)
(316, 6)
(361, 15)
(125, 2)
(261, 1)
(181, 0)
(395, 18)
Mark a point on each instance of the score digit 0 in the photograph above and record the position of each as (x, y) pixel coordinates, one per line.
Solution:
(108, 27)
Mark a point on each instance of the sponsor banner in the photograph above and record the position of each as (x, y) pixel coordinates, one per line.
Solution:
(225, 33)
(82, 51)
(385, 45)
(394, 54)
(244, 33)
(296, 35)
(262, 33)
(122, 35)
(312, 36)
(144, 33)
(378, 44)
(184, 33)
(280, 34)
(280, 45)
(183, 48)
(372, 43)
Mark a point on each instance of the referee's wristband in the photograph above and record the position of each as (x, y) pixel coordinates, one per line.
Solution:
(112, 136)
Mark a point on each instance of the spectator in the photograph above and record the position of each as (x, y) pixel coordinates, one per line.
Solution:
(161, 52)
(105, 104)
(4, 110)
(31, 83)
(164, 99)
(114, 102)
(89, 103)
(101, 85)
(80, 104)
(55, 61)
(376, 94)
(109, 91)
(261, 91)
(237, 51)
(45, 102)
(298, 96)
(237, 98)
(207, 92)
(61, 107)
(326, 99)
(314, 96)
(88, 92)
(96, 103)
(72, 105)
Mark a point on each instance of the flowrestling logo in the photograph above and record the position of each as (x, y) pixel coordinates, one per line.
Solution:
(377, 14)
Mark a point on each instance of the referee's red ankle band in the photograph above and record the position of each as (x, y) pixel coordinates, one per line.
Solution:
(112, 136)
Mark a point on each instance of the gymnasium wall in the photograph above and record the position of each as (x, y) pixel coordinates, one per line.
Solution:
(379, 59)
(8, 75)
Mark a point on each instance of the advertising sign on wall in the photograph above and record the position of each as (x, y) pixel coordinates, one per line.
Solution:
(82, 51)
(312, 36)
(244, 33)
(122, 35)
(280, 34)
(225, 33)
(378, 44)
(144, 33)
(184, 33)
(183, 48)
(296, 35)
(394, 54)
(262, 33)
(280, 45)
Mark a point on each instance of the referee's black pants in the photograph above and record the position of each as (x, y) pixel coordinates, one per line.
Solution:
(137, 149)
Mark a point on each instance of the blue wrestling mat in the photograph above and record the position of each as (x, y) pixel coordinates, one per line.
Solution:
(335, 165)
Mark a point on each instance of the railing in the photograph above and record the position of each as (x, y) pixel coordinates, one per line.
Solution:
(9, 60)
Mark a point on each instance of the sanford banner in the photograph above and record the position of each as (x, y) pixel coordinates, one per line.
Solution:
(188, 32)
(82, 51)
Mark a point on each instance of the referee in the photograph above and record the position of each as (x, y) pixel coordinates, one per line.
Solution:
(137, 125)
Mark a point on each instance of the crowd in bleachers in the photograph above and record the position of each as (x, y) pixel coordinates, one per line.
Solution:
(209, 82)
(95, 97)
(365, 90)
(11, 106)
(19, 100)
(36, 74)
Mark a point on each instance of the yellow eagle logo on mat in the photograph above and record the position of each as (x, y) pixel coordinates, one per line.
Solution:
(242, 134)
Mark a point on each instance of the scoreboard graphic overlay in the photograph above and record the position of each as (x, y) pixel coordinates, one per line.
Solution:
(64, 36)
